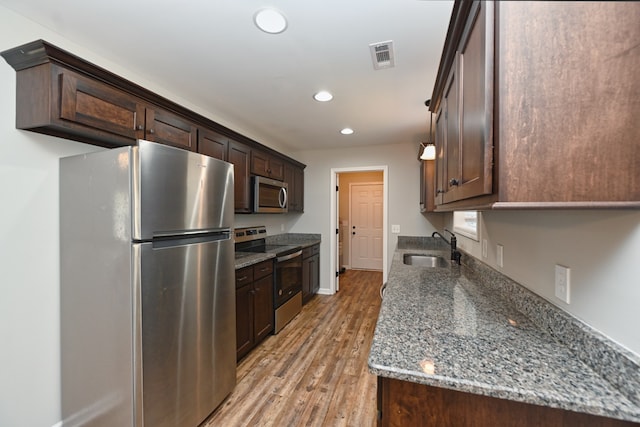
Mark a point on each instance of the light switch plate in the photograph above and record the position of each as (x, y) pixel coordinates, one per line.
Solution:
(563, 283)
(395, 228)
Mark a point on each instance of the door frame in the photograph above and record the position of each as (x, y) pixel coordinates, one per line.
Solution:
(333, 214)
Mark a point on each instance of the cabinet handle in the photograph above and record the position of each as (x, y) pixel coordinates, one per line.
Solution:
(139, 127)
(243, 278)
(151, 131)
(454, 182)
(439, 192)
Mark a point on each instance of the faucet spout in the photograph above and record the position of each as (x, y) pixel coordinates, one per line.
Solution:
(455, 253)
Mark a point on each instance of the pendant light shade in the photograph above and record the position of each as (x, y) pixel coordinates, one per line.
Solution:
(428, 151)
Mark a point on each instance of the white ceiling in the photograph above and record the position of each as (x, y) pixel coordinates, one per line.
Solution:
(211, 54)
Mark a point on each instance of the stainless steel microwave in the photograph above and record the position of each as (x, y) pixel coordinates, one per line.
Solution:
(269, 195)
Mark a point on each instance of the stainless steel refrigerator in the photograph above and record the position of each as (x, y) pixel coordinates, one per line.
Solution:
(147, 300)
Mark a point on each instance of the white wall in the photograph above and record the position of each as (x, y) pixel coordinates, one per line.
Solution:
(602, 248)
(403, 203)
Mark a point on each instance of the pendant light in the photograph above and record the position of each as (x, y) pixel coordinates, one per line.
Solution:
(428, 148)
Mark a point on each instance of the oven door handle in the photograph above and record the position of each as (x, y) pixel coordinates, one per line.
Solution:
(288, 257)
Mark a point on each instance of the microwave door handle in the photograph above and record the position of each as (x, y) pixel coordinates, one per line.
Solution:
(282, 197)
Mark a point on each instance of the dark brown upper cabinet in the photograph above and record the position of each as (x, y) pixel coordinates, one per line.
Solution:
(533, 104)
(294, 177)
(167, 128)
(240, 156)
(60, 94)
(212, 144)
(264, 164)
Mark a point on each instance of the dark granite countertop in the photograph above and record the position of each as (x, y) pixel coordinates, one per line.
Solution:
(468, 328)
(304, 240)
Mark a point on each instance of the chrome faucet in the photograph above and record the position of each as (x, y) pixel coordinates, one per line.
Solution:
(455, 253)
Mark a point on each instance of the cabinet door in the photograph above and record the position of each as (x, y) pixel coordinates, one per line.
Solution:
(264, 164)
(99, 106)
(259, 163)
(314, 267)
(441, 136)
(212, 144)
(294, 177)
(468, 106)
(298, 189)
(451, 142)
(476, 105)
(244, 320)
(240, 155)
(306, 279)
(263, 307)
(169, 129)
(276, 168)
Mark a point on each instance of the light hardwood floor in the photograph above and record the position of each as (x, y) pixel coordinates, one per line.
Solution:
(314, 372)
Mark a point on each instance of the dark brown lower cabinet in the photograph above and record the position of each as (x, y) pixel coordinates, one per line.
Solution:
(310, 272)
(403, 403)
(254, 306)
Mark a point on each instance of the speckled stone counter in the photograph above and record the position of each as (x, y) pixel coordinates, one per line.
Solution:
(471, 329)
(304, 240)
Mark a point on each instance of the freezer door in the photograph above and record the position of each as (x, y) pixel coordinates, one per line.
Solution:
(175, 190)
(188, 337)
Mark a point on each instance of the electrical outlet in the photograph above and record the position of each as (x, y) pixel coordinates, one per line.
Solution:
(395, 228)
(563, 283)
(484, 248)
(500, 255)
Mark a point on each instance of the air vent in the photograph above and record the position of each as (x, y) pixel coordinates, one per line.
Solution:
(382, 55)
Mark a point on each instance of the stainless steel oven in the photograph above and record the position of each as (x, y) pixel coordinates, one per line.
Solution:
(288, 288)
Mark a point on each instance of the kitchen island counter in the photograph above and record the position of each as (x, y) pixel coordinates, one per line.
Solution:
(470, 329)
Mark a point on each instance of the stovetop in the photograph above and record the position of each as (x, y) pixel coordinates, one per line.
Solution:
(252, 239)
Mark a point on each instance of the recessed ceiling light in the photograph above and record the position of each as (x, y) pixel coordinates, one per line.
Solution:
(323, 96)
(346, 131)
(270, 21)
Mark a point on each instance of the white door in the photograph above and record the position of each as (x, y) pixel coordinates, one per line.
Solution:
(366, 214)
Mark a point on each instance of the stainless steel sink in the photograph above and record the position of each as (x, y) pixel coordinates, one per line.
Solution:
(425, 260)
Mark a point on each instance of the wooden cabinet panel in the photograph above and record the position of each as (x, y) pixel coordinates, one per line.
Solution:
(266, 165)
(254, 306)
(464, 113)
(212, 144)
(263, 307)
(294, 177)
(403, 403)
(244, 320)
(169, 129)
(240, 156)
(97, 105)
(310, 272)
(543, 142)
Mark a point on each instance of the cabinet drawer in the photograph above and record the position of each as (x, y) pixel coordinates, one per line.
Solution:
(263, 269)
(244, 276)
(310, 251)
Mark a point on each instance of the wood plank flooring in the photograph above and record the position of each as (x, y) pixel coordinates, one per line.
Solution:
(314, 372)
